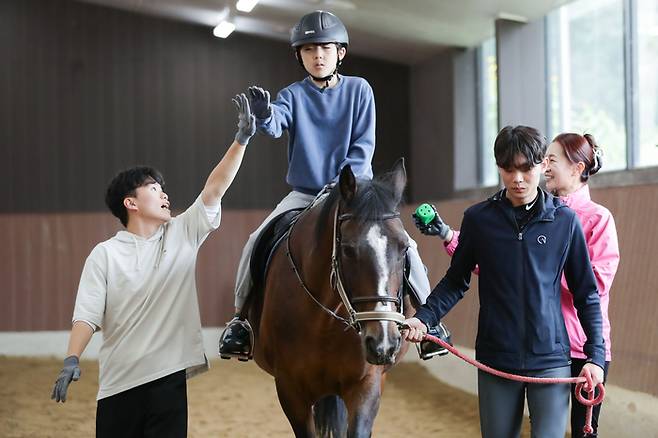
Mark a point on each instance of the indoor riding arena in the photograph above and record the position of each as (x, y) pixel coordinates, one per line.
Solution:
(92, 87)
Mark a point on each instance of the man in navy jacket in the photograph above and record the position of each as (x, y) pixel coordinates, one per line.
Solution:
(521, 239)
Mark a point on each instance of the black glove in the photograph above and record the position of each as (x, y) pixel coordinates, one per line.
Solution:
(260, 102)
(71, 371)
(436, 227)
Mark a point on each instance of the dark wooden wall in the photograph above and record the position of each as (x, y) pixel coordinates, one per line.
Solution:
(86, 91)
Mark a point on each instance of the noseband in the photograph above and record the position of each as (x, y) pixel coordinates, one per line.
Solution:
(354, 317)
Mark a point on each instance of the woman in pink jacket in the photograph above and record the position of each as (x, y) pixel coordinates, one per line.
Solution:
(572, 159)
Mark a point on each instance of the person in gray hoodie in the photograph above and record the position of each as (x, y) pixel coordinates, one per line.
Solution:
(138, 289)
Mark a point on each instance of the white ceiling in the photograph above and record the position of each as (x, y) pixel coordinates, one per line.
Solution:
(407, 31)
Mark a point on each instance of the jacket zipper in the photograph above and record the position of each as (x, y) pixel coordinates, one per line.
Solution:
(526, 347)
(519, 237)
(523, 300)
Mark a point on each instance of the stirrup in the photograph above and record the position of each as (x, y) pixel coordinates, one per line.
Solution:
(428, 349)
(237, 324)
(435, 350)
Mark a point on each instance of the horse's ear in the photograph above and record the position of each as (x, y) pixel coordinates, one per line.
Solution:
(347, 184)
(399, 178)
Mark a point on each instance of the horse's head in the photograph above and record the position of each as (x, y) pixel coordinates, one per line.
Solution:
(369, 258)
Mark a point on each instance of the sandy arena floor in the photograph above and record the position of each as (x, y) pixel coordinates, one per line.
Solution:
(232, 400)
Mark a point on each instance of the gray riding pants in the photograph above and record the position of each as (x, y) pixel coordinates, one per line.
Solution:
(501, 405)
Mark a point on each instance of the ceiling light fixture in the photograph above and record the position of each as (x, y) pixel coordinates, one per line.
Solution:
(512, 17)
(245, 5)
(223, 29)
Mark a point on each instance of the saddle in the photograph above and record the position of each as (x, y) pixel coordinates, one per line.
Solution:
(268, 241)
(272, 236)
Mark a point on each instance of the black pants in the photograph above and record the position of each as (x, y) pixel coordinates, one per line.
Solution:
(154, 409)
(577, 410)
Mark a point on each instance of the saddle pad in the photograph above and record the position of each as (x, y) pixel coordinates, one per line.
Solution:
(269, 239)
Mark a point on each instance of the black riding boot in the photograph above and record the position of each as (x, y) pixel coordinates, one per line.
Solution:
(237, 340)
(428, 349)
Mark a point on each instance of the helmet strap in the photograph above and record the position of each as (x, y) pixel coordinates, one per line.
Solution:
(325, 79)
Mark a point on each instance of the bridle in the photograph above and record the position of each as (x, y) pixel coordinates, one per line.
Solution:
(354, 318)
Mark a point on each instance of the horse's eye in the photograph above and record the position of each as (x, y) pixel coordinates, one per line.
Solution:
(348, 251)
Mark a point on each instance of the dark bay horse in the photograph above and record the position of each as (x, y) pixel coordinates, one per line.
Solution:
(326, 319)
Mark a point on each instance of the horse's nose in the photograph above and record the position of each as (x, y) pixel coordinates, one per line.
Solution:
(374, 347)
(390, 350)
(380, 352)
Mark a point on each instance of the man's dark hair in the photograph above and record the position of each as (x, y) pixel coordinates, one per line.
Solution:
(124, 184)
(524, 140)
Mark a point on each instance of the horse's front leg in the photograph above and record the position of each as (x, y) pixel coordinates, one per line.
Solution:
(298, 409)
(362, 402)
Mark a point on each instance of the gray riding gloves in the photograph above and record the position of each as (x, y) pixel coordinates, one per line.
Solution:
(246, 120)
(70, 372)
(436, 227)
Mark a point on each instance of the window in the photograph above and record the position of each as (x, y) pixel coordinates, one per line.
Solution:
(585, 47)
(488, 113)
(647, 97)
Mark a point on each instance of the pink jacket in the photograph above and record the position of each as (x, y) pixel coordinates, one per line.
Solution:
(601, 237)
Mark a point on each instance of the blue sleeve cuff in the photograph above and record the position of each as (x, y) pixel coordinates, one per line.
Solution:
(597, 357)
(427, 317)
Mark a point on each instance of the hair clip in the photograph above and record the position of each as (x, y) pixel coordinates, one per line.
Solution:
(598, 153)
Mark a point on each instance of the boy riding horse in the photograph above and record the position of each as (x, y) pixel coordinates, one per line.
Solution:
(317, 152)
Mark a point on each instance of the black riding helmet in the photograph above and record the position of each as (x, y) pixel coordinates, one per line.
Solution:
(319, 27)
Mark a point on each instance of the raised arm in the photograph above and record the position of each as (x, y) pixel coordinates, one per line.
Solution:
(223, 174)
(272, 118)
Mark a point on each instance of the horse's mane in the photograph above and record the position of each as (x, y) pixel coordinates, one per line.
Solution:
(374, 198)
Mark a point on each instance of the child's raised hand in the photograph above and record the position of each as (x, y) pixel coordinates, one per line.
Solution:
(260, 102)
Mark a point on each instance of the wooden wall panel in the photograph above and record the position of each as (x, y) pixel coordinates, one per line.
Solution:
(43, 256)
(634, 295)
(86, 91)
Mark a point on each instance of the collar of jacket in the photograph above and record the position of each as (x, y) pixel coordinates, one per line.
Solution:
(549, 204)
(577, 199)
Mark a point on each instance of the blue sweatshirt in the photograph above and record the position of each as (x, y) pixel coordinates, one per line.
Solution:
(326, 130)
